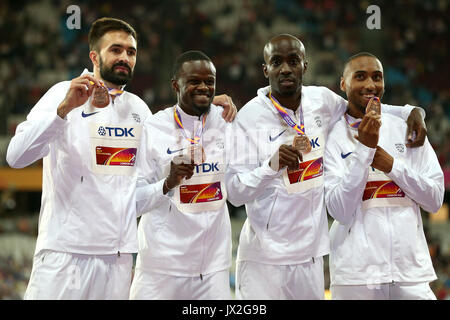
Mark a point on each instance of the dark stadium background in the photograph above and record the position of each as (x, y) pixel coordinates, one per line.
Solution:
(37, 50)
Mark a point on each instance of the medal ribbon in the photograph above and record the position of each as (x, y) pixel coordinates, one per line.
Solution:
(112, 91)
(351, 123)
(283, 113)
(198, 134)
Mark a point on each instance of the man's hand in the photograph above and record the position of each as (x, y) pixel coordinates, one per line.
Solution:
(229, 109)
(79, 92)
(382, 160)
(286, 156)
(369, 129)
(417, 131)
(177, 173)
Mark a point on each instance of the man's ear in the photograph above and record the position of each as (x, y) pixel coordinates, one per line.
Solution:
(95, 58)
(175, 86)
(266, 74)
(305, 66)
(342, 84)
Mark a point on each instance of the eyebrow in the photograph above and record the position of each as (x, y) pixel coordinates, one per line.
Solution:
(121, 46)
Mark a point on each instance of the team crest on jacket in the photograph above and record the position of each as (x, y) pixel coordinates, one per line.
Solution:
(220, 144)
(400, 147)
(136, 117)
(318, 121)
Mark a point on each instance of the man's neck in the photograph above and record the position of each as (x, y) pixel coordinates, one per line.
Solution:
(290, 102)
(189, 110)
(354, 111)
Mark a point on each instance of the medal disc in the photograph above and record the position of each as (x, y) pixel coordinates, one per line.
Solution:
(302, 143)
(197, 153)
(100, 97)
(374, 104)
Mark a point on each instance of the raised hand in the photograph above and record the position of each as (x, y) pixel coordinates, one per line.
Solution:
(369, 129)
(177, 173)
(229, 109)
(286, 156)
(417, 131)
(79, 92)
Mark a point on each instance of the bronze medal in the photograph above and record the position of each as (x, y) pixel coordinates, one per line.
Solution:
(375, 105)
(301, 143)
(100, 97)
(197, 154)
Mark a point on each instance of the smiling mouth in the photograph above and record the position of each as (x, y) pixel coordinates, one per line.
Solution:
(202, 96)
(369, 96)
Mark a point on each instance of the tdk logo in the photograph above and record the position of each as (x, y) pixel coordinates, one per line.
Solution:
(116, 132)
(207, 167)
(315, 142)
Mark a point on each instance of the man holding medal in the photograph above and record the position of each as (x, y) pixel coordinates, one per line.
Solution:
(185, 231)
(374, 188)
(278, 174)
(87, 131)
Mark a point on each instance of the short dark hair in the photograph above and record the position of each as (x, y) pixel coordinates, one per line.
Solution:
(360, 54)
(192, 55)
(103, 25)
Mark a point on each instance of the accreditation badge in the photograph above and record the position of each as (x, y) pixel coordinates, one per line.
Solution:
(114, 148)
(309, 173)
(204, 191)
(381, 191)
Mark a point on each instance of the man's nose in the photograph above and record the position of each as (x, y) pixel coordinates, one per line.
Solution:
(202, 86)
(285, 68)
(123, 57)
(369, 84)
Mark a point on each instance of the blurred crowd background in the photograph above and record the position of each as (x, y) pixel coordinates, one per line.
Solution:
(37, 49)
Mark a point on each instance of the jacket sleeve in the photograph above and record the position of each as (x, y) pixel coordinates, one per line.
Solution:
(33, 136)
(247, 177)
(345, 179)
(423, 181)
(149, 187)
(400, 111)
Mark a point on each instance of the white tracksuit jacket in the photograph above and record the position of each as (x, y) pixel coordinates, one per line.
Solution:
(89, 174)
(283, 227)
(379, 239)
(177, 237)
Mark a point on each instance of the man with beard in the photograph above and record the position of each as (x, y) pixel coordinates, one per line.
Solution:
(88, 133)
(374, 188)
(185, 233)
(277, 172)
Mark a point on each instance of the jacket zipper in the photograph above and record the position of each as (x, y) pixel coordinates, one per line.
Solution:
(271, 211)
(202, 250)
(120, 232)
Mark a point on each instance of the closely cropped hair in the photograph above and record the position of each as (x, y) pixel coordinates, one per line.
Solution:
(104, 25)
(192, 55)
(360, 54)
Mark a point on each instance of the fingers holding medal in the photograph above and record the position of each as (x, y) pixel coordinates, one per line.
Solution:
(374, 104)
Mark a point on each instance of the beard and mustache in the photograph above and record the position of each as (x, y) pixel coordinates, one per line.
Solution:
(118, 78)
